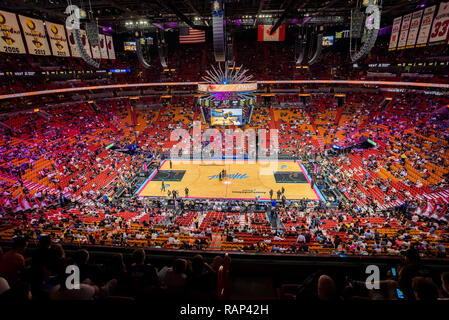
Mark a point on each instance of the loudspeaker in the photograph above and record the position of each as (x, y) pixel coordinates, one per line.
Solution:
(92, 33)
(357, 18)
(319, 46)
(218, 31)
(372, 24)
(162, 48)
(82, 51)
(139, 53)
(300, 47)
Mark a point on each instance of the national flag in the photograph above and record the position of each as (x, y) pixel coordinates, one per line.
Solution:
(189, 35)
(263, 33)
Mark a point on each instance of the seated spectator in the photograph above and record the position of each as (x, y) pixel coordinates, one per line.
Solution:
(327, 290)
(424, 289)
(409, 270)
(116, 270)
(61, 292)
(445, 286)
(88, 273)
(144, 275)
(12, 263)
(202, 280)
(20, 292)
(175, 278)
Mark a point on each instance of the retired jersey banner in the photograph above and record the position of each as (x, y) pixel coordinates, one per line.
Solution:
(103, 49)
(96, 52)
(71, 40)
(395, 33)
(58, 39)
(426, 25)
(263, 33)
(72, 43)
(10, 34)
(85, 42)
(404, 31)
(35, 36)
(414, 28)
(110, 47)
(440, 26)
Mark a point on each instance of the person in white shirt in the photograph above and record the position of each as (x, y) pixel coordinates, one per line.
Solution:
(301, 238)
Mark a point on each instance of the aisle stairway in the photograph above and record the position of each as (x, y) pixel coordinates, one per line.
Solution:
(320, 141)
(216, 242)
(242, 221)
(338, 117)
(273, 123)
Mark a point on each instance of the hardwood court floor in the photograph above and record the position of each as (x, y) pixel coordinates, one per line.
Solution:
(245, 180)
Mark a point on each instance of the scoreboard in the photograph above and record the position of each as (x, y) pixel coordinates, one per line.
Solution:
(227, 103)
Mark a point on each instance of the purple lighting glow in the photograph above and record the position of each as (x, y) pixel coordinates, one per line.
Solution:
(385, 30)
(220, 96)
(160, 26)
(306, 20)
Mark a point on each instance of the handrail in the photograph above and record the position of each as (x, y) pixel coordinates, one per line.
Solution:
(169, 84)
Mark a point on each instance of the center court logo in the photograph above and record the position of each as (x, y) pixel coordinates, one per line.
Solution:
(236, 176)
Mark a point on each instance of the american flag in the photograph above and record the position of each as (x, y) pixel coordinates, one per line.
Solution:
(189, 35)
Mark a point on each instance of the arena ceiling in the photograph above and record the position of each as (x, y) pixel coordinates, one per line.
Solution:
(117, 12)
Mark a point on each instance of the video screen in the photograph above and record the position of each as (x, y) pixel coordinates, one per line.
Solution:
(226, 117)
(129, 46)
(328, 41)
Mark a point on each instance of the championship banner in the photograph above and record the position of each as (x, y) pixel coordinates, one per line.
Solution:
(73, 48)
(110, 47)
(440, 25)
(395, 34)
(10, 34)
(263, 33)
(58, 39)
(103, 49)
(35, 36)
(426, 24)
(414, 27)
(404, 31)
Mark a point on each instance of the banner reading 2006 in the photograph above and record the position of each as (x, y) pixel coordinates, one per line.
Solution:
(35, 36)
(10, 34)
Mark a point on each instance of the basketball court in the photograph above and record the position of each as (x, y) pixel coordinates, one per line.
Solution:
(243, 180)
